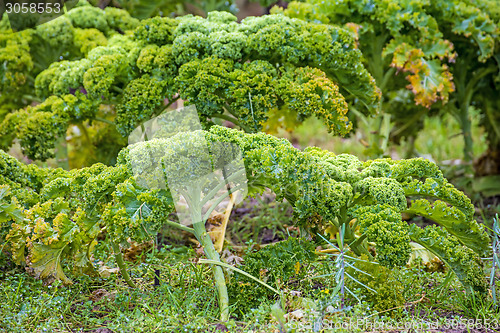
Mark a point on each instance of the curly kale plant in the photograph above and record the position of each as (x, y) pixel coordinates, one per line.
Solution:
(261, 73)
(171, 148)
(27, 53)
(448, 51)
(328, 191)
(59, 214)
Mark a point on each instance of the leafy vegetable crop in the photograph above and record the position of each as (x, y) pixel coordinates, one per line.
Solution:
(261, 73)
(53, 217)
(447, 50)
(27, 53)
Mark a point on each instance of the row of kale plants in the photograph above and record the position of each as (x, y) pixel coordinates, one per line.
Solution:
(88, 78)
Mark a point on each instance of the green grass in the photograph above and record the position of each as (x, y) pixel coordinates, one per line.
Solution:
(185, 300)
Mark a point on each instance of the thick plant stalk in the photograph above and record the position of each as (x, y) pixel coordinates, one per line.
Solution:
(61, 153)
(209, 249)
(465, 123)
(495, 259)
(220, 281)
(121, 264)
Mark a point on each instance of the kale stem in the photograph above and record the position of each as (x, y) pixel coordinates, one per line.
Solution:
(32, 98)
(233, 120)
(180, 226)
(121, 264)
(208, 247)
(85, 133)
(105, 121)
(220, 281)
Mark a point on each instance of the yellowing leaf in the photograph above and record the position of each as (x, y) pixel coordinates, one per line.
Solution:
(105, 271)
(418, 251)
(430, 80)
(332, 231)
(17, 238)
(46, 262)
